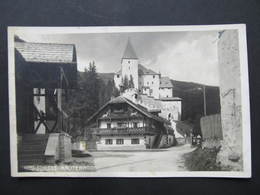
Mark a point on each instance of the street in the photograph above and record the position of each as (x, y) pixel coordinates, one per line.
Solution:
(169, 159)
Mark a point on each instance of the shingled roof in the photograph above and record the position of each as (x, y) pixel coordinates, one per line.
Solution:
(143, 70)
(129, 52)
(39, 64)
(46, 52)
(165, 82)
(121, 99)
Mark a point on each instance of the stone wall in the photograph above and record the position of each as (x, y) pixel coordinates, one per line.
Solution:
(65, 147)
(230, 97)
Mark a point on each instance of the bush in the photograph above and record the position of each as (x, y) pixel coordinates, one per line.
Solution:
(202, 160)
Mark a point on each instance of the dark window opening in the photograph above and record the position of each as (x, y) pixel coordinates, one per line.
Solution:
(135, 124)
(119, 141)
(135, 141)
(109, 125)
(109, 141)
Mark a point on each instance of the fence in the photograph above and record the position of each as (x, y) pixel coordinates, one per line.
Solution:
(211, 127)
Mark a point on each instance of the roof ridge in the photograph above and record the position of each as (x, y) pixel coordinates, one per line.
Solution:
(41, 43)
(129, 52)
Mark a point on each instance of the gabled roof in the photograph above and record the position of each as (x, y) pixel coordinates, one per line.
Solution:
(143, 70)
(129, 52)
(165, 82)
(46, 52)
(141, 109)
(43, 62)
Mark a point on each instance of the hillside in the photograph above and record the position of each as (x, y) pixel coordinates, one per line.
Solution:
(106, 76)
(193, 100)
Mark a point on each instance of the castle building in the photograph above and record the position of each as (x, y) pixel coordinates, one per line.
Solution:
(154, 91)
(145, 80)
(142, 117)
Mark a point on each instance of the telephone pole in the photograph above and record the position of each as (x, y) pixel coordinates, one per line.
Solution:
(204, 100)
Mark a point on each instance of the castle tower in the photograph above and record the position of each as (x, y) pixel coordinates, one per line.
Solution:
(129, 64)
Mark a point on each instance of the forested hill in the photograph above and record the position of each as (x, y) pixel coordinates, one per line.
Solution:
(106, 77)
(192, 95)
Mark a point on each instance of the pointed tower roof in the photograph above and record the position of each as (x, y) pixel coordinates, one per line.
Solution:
(129, 51)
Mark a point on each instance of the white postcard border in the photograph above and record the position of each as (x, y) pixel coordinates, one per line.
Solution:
(246, 173)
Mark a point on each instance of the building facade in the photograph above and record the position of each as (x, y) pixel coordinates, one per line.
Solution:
(230, 97)
(153, 91)
(123, 125)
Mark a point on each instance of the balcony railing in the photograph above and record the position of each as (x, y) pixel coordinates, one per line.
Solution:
(124, 131)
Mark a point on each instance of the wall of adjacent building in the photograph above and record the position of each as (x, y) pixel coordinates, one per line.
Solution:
(172, 107)
(165, 92)
(230, 97)
(117, 80)
(130, 67)
(101, 144)
(153, 82)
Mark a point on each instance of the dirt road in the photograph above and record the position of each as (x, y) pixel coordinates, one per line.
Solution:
(160, 160)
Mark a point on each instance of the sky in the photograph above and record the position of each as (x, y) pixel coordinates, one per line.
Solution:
(185, 56)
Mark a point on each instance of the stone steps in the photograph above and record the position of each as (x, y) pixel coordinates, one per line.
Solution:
(31, 149)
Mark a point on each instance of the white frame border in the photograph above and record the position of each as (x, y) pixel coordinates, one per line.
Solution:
(246, 129)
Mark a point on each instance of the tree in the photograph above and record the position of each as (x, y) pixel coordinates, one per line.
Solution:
(115, 91)
(92, 93)
(107, 91)
(84, 101)
(131, 82)
(125, 84)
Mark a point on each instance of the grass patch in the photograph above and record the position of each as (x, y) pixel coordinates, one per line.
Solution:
(202, 160)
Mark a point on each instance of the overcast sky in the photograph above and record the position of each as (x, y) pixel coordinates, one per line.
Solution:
(185, 56)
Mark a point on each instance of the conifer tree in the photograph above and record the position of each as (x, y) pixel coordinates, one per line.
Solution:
(131, 82)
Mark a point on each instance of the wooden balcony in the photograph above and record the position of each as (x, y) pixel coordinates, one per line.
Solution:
(125, 131)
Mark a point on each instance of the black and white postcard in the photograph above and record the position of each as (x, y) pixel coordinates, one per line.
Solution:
(147, 101)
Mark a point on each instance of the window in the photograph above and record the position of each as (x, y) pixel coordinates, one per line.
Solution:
(109, 141)
(135, 124)
(153, 76)
(109, 125)
(147, 83)
(152, 82)
(135, 141)
(119, 141)
(128, 62)
(118, 76)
